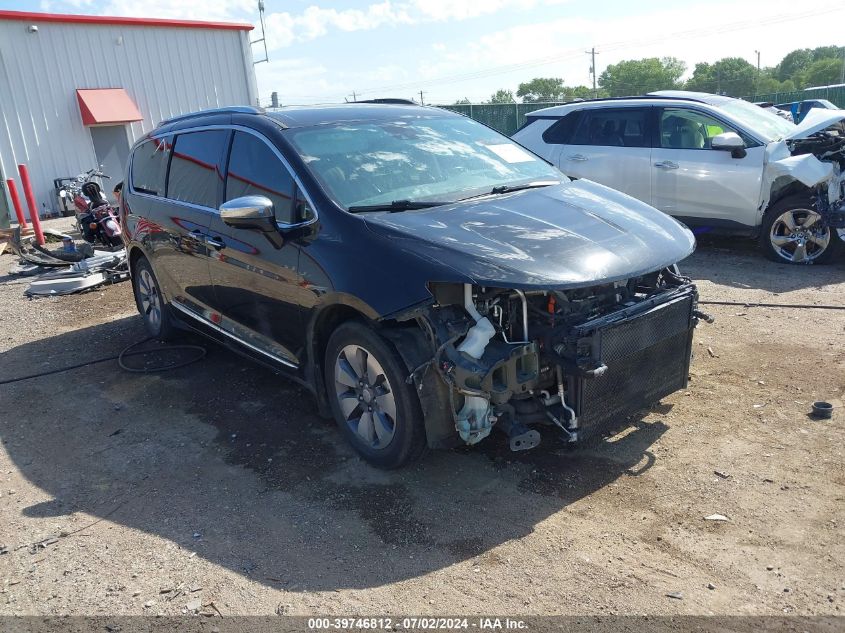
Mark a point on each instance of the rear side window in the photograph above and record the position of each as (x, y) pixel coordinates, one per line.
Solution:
(196, 167)
(561, 132)
(255, 170)
(621, 127)
(149, 166)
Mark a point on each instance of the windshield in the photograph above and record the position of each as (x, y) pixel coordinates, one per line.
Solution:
(767, 125)
(424, 159)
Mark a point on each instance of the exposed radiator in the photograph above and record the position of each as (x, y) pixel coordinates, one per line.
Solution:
(647, 358)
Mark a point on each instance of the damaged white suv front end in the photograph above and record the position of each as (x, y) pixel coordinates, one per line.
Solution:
(803, 192)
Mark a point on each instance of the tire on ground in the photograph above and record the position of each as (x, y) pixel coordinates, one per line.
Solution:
(165, 329)
(798, 201)
(409, 440)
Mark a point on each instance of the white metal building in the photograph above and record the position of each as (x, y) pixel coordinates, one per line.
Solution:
(77, 91)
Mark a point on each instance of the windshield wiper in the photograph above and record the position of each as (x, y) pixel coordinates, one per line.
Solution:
(396, 205)
(495, 191)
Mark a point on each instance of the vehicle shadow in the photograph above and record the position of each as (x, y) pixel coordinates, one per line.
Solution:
(232, 462)
(739, 262)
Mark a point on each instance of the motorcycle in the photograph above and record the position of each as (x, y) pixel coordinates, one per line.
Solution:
(97, 219)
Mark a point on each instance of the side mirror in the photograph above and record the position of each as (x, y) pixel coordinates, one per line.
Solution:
(729, 142)
(249, 212)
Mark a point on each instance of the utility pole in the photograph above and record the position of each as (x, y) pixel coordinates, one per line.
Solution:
(757, 83)
(421, 98)
(592, 54)
(354, 96)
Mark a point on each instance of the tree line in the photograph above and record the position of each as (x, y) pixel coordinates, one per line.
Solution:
(733, 76)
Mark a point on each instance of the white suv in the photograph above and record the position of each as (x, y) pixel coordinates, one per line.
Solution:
(716, 163)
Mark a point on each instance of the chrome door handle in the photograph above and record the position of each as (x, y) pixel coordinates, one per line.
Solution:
(215, 242)
(577, 157)
(666, 164)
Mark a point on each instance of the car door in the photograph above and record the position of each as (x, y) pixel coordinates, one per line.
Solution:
(611, 146)
(180, 214)
(257, 287)
(701, 185)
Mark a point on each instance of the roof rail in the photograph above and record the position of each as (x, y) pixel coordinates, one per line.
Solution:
(389, 100)
(224, 110)
(631, 98)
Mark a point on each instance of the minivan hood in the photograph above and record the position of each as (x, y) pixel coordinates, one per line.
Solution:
(816, 120)
(570, 235)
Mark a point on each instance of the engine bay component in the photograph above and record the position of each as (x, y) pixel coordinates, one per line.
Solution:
(574, 359)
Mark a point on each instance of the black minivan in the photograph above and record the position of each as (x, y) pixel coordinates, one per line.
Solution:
(427, 278)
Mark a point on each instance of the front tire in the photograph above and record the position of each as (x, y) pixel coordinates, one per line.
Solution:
(376, 410)
(791, 233)
(151, 304)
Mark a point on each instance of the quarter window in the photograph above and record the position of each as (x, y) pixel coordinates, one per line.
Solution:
(149, 166)
(255, 170)
(689, 129)
(196, 167)
(562, 130)
(621, 127)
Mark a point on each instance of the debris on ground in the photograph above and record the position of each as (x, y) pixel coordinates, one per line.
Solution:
(675, 595)
(194, 605)
(721, 474)
(62, 271)
(716, 517)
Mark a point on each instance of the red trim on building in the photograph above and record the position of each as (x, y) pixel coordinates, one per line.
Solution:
(31, 16)
(106, 105)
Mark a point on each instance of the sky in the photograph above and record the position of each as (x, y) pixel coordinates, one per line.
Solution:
(326, 52)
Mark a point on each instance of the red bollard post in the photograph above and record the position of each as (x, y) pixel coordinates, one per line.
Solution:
(16, 202)
(30, 202)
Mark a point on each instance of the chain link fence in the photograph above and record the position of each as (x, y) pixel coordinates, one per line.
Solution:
(834, 94)
(507, 118)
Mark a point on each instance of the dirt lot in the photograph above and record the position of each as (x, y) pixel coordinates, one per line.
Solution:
(218, 482)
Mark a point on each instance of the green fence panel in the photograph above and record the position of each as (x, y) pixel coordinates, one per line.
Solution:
(834, 94)
(506, 118)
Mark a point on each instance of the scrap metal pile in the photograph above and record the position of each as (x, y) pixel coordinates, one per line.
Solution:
(65, 266)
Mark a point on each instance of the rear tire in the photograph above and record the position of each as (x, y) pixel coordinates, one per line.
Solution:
(151, 304)
(376, 410)
(790, 234)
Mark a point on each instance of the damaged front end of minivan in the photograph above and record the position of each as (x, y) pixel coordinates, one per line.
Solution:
(573, 359)
(572, 342)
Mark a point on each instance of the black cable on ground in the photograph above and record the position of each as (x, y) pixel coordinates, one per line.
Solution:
(745, 304)
(201, 352)
(57, 371)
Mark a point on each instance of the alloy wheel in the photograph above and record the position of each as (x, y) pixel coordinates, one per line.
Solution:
(149, 298)
(366, 399)
(798, 237)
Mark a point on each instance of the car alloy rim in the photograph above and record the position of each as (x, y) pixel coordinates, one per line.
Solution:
(366, 400)
(798, 237)
(150, 300)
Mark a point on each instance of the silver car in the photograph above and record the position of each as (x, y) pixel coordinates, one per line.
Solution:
(716, 163)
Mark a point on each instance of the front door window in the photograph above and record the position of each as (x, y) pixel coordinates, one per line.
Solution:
(688, 129)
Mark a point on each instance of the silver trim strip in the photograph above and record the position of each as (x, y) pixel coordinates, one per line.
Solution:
(217, 328)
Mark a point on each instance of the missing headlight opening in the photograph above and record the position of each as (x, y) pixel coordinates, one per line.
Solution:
(574, 360)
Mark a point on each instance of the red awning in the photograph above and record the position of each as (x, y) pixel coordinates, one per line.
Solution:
(106, 105)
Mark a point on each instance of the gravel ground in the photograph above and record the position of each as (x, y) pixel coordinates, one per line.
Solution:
(144, 494)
